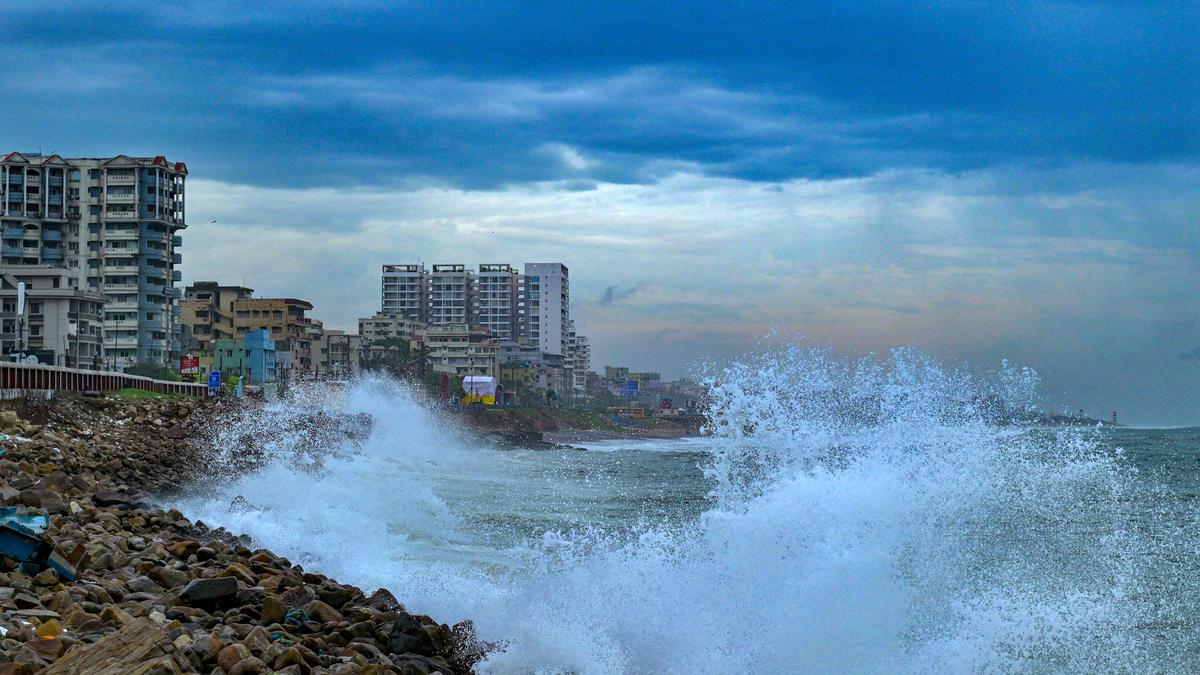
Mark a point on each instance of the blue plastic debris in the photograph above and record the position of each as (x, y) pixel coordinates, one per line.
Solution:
(23, 539)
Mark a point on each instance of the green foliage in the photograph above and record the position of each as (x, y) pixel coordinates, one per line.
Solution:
(153, 370)
(130, 392)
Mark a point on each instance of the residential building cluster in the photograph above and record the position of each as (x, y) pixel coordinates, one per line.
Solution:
(94, 245)
(97, 241)
(494, 320)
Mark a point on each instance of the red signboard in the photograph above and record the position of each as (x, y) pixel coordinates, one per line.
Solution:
(189, 365)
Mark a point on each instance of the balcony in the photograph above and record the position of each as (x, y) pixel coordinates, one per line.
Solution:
(176, 259)
(52, 254)
(176, 240)
(176, 275)
(120, 215)
(54, 199)
(122, 306)
(121, 235)
(120, 197)
(121, 288)
(119, 179)
(51, 235)
(14, 232)
(11, 251)
(120, 269)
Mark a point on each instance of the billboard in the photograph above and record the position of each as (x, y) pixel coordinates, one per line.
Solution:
(629, 388)
(189, 365)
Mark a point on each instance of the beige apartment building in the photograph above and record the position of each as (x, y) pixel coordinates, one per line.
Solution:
(206, 313)
(286, 321)
(374, 329)
(460, 350)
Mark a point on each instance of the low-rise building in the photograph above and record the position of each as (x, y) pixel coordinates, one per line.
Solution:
(206, 314)
(338, 354)
(529, 375)
(252, 356)
(287, 323)
(460, 350)
(375, 329)
(62, 324)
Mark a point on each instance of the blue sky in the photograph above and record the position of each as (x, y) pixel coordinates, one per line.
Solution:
(981, 180)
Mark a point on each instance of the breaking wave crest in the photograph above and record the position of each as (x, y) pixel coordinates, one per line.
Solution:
(861, 516)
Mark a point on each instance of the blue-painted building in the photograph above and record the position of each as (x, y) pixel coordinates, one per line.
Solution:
(261, 357)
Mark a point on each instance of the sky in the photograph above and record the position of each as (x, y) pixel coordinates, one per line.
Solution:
(981, 181)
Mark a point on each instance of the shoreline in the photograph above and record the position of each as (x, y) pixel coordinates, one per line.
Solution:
(568, 436)
(153, 590)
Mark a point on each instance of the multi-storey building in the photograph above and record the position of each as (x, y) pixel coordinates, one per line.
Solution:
(533, 307)
(206, 314)
(61, 325)
(286, 322)
(405, 291)
(382, 326)
(450, 295)
(546, 305)
(337, 353)
(460, 350)
(496, 289)
(112, 223)
(580, 357)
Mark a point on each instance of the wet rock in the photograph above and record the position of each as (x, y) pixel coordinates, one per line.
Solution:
(323, 613)
(408, 635)
(208, 591)
(298, 596)
(184, 548)
(273, 610)
(249, 666)
(206, 648)
(108, 498)
(232, 655)
(139, 647)
(144, 585)
(49, 650)
(383, 601)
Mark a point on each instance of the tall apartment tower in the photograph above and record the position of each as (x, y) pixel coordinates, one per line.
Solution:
(450, 295)
(547, 307)
(405, 288)
(112, 223)
(496, 290)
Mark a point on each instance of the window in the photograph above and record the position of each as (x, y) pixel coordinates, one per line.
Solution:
(94, 174)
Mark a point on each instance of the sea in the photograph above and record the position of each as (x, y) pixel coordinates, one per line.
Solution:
(839, 516)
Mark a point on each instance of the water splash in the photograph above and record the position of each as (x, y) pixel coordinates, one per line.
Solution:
(864, 516)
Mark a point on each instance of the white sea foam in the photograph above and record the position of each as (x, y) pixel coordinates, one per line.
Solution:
(863, 517)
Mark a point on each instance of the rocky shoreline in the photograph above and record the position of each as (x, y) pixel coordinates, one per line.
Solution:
(158, 593)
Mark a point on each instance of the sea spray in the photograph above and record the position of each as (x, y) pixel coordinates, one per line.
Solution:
(850, 516)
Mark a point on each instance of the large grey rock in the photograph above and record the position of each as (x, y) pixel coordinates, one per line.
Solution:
(209, 591)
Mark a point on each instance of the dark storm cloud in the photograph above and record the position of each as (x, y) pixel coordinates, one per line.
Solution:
(471, 94)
